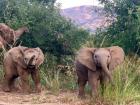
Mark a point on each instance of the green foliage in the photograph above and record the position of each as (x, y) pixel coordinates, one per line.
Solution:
(125, 30)
(127, 82)
(45, 2)
(56, 77)
(48, 29)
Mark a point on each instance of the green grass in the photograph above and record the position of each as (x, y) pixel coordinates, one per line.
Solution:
(126, 78)
(127, 85)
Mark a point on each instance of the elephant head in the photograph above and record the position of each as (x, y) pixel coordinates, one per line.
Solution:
(32, 57)
(105, 58)
(9, 36)
(102, 59)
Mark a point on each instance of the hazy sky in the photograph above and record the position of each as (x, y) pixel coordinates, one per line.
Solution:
(73, 3)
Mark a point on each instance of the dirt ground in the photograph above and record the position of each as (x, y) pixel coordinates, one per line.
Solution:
(43, 98)
(48, 98)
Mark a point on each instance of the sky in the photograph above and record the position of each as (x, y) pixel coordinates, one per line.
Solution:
(74, 3)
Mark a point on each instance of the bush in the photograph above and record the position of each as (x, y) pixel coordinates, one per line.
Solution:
(48, 29)
(125, 29)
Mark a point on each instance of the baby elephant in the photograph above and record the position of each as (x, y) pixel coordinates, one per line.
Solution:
(20, 62)
(95, 65)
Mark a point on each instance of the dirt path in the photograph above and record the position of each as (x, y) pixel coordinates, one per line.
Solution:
(44, 98)
(47, 98)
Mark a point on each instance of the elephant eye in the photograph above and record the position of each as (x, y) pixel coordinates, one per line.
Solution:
(25, 58)
(108, 56)
(95, 56)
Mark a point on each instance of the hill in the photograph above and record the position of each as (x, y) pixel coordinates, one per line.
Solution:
(89, 17)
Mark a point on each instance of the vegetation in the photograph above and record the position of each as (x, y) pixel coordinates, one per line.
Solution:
(125, 29)
(48, 29)
(59, 38)
(125, 92)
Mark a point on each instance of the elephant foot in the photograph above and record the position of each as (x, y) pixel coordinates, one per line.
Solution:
(6, 89)
(81, 96)
(94, 95)
(24, 91)
(38, 89)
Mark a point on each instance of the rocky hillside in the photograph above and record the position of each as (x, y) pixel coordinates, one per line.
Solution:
(89, 17)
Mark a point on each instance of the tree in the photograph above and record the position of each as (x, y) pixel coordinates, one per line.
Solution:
(48, 29)
(125, 30)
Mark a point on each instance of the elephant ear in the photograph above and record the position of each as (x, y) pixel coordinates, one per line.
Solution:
(17, 56)
(85, 57)
(20, 56)
(40, 58)
(21, 50)
(117, 56)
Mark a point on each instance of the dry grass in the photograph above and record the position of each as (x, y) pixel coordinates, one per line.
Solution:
(61, 89)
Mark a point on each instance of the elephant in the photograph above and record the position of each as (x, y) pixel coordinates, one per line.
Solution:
(21, 62)
(96, 65)
(8, 36)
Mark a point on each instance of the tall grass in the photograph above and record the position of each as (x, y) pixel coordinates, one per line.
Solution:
(126, 90)
(57, 77)
(127, 85)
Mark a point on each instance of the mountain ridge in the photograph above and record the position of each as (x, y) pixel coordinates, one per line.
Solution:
(87, 16)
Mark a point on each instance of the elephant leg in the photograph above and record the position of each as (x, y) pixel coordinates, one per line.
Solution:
(36, 79)
(93, 79)
(81, 85)
(12, 82)
(7, 83)
(25, 83)
(24, 76)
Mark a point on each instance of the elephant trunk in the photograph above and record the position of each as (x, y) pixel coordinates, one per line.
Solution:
(31, 60)
(106, 70)
(30, 65)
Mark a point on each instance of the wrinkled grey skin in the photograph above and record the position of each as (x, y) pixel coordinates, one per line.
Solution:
(95, 65)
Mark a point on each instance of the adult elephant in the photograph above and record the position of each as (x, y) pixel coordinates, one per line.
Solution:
(96, 65)
(8, 36)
